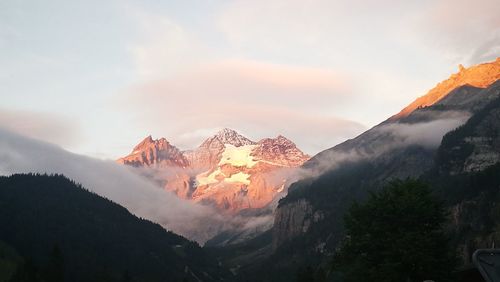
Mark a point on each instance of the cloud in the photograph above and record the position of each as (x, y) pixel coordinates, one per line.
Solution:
(255, 98)
(118, 183)
(388, 137)
(425, 134)
(49, 127)
(465, 31)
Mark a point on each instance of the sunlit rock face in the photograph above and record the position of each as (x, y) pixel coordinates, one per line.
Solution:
(481, 76)
(155, 153)
(281, 151)
(227, 170)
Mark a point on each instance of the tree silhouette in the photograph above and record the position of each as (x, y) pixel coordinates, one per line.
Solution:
(396, 236)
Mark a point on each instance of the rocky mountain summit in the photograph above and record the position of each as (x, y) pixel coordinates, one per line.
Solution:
(280, 150)
(227, 170)
(155, 153)
(208, 154)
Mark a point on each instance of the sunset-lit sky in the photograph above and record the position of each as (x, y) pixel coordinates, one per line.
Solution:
(98, 76)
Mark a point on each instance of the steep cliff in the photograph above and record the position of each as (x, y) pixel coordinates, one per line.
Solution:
(291, 221)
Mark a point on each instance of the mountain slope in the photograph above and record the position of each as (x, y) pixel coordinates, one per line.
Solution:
(392, 149)
(456, 104)
(480, 76)
(309, 220)
(95, 235)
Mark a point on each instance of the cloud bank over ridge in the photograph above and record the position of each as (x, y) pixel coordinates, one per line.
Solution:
(118, 183)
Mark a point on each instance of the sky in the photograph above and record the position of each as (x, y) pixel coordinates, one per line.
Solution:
(96, 77)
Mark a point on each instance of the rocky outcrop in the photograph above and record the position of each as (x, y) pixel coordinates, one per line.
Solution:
(474, 225)
(293, 220)
(290, 221)
(476, 145)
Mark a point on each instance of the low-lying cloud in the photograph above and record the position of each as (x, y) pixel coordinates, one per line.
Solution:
(387, 137)
(426, 134)
(19, 154)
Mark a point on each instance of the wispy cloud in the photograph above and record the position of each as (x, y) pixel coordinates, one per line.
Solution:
(388, 138)
(54, 128)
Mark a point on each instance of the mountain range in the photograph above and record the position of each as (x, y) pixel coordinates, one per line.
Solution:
(448, 138)
(228, 170)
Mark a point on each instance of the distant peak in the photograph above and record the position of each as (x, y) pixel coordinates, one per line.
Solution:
(149, 141)
(154, 151)
(227, 136)
(226, 131)
(148, 138)
(144, 142)
(278, 140)
(282, 138)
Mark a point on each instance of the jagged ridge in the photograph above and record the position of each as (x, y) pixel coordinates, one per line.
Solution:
(227, 169)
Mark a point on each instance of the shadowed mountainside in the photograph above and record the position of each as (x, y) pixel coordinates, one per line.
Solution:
(95, 236)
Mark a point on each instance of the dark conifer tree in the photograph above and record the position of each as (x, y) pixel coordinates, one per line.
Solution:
(396, 235)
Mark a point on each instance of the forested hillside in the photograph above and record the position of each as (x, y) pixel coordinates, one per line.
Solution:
(50, 218)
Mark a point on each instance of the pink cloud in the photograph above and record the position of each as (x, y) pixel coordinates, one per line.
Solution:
(259, 99)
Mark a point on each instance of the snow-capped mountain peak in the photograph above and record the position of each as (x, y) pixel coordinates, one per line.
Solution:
(227, 136)
(227, 169)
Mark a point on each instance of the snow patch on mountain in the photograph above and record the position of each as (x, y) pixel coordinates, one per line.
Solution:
(238, 156)
(208, 177)
(239, 177)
